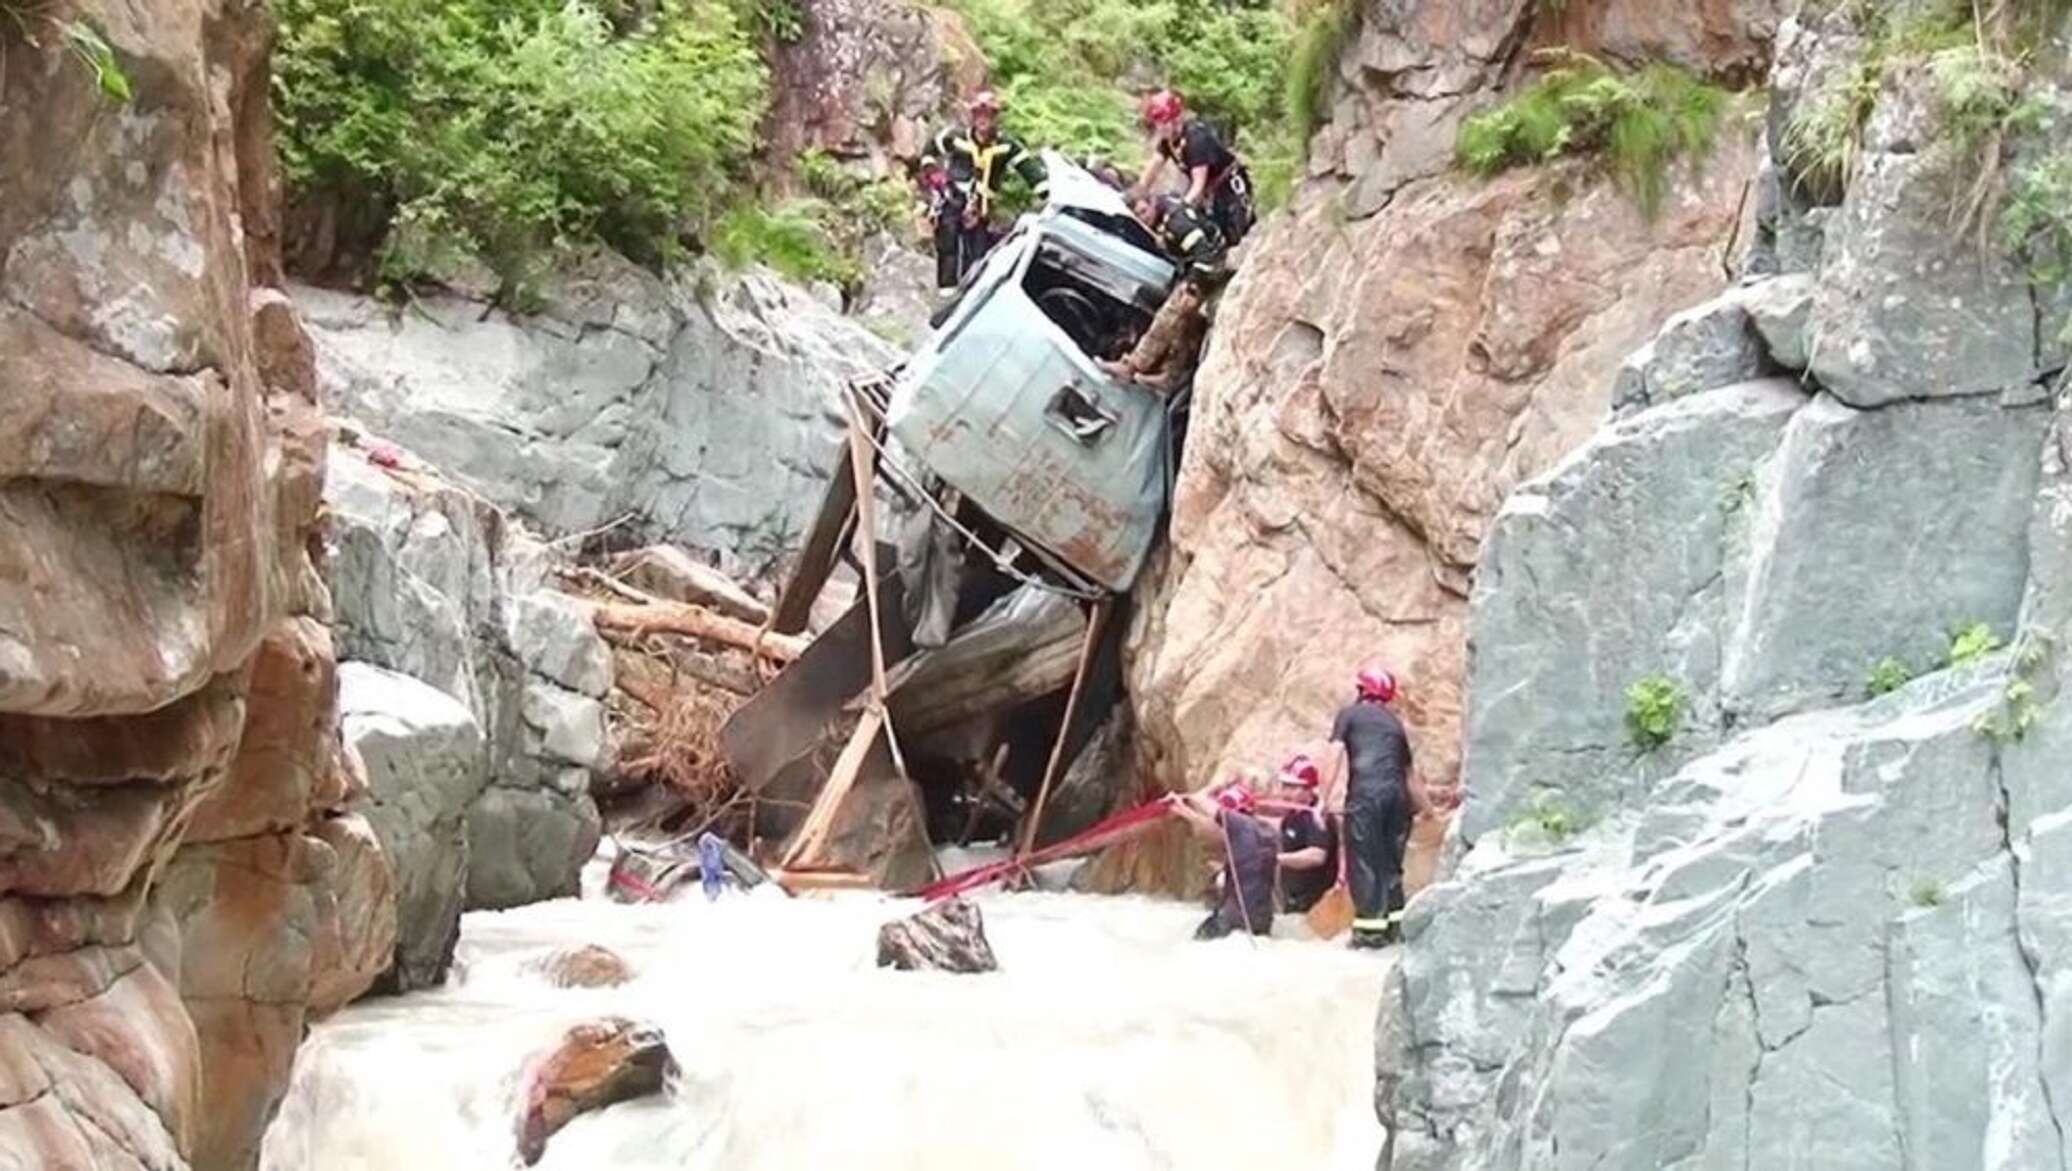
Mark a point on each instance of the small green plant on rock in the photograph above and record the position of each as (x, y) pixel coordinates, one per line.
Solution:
(1548, 818)
(2017, 711)
(1889, 675)
(1637, 123)
(1971, 643)
(32, 19)
(1654, 709)
(1927, 892)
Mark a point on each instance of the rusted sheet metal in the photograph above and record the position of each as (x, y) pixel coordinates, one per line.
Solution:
(1003, 406)
(778, 733)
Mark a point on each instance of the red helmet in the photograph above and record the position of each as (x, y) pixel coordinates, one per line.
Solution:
(1377, 683)
(1163, 108)
(985, 101)
(1236, 797)
(1301, 772)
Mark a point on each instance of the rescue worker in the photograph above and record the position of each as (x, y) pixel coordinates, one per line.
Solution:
(1382, 796)
(1249, 858)
(961, 171)
(1216, 178)
(1164, 358)
(1308, 852)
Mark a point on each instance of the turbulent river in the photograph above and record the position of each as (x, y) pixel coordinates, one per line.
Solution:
(1107, 1040)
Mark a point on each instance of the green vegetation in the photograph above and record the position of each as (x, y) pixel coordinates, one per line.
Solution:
(1318, 42)
(2017, 710)
(1889, 675)
(1654, 709)
(1927, 892)
(1056, 65)
(33, 20)
(1548, 818)
(501, 130)
(1971, 643)
(2036, 222)
(791, 237)
(1637, 124)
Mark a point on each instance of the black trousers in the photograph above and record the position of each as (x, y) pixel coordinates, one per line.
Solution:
(1377, 832)
(958, 248)
(1232, 206)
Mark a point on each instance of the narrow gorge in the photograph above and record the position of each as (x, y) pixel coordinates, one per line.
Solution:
(414, 415)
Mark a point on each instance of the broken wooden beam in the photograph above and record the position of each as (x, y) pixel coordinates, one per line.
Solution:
(660, 617)
(1026, 647)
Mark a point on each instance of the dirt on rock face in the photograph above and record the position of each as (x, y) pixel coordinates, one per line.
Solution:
(1398, 350)
(169, 765)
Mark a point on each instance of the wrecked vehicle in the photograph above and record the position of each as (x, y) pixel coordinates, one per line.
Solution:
(982, 653)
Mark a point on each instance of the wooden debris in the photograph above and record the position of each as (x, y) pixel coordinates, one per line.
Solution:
(670, 573)
(663, 617)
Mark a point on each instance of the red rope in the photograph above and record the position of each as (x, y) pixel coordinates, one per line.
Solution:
(1107, 832)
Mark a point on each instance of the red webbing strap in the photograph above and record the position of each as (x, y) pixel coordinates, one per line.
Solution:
(1100, 835)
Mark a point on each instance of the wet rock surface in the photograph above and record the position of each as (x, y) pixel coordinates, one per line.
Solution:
(947, 937)
(595, 1065)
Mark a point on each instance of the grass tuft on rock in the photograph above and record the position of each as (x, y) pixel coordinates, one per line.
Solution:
(1639, 124)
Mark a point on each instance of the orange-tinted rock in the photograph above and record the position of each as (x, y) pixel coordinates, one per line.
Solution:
(594, 1065)
(588, 966)
(356, 915)
(288, 741)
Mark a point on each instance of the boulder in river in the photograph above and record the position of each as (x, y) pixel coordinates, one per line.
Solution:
(595, 1064)
(947, 937)
(585, 966)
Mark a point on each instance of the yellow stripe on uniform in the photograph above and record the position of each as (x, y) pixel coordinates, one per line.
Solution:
(1193, 238)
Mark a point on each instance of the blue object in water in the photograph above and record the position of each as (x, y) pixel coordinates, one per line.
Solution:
(712, 864)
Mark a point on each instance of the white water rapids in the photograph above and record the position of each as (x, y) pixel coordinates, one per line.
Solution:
(1108, 1039)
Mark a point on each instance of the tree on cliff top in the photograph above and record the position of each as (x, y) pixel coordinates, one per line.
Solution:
(498, 130)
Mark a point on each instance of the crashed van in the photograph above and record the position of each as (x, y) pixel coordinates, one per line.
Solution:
(1035, 487)
(1004, 400)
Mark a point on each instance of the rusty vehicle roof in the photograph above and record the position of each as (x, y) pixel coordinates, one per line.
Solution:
(980, 402)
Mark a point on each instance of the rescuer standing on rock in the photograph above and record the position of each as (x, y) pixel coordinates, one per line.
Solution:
(1217, 181)
(960, 172)
(1381, 798)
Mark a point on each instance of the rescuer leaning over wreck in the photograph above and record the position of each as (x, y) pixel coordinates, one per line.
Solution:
(1164, 358)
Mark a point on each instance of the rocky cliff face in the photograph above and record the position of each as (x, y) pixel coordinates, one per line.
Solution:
(1397, 351)
(1809, 927)
(182, 877)
(701, 411)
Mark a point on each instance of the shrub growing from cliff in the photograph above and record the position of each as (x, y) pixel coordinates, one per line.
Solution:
(1638, 124)
(498, 130)
(37, 24)
(1654, 710)
(1068, 69)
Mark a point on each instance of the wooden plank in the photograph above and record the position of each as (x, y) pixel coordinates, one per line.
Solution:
(818, 556)
(840, 779)
(1094, 626)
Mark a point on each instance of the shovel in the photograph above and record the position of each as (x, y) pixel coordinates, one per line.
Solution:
(1333, 913)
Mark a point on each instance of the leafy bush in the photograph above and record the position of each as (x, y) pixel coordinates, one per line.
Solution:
(1889, 675)
(1638, 123)
(1971, 643)
(504, 129)
(792, 237)
(2036, 222)
(1549, 818)
(1654, 709)
(33, 20)
(1310, 65)
(1056, 65)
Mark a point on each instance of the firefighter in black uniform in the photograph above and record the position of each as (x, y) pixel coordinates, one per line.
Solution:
(961, 171)
(1216, 178)
(1383, 794)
